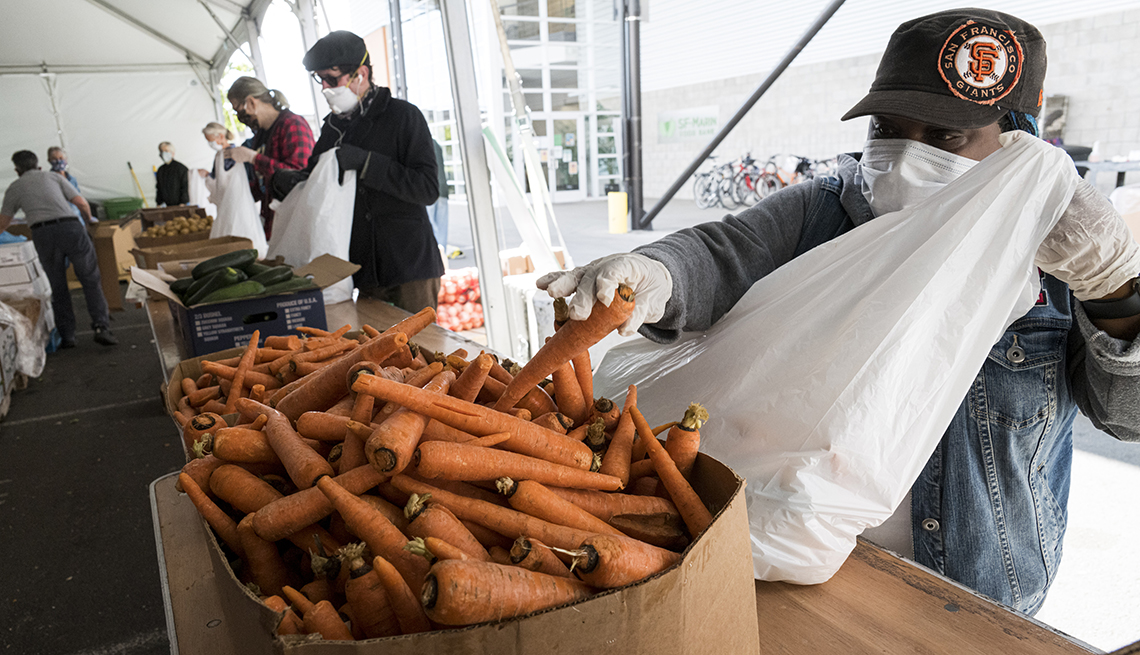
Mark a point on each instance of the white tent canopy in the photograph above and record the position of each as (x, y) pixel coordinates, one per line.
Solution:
(110, 79)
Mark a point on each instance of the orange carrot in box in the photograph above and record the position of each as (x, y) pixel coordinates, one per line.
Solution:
(204, 380)
(663, 530)
(607, 410)
(303, 463)
(251, 377)
(241, 372)
(556, 421)
(489, 440)
(607, 505)
(365, 593)
(391, 445)
(642, 468)
(257, 392)
(468, 384)
(569, 398)
(268, 355)
(684, 439)
(262, 558)
(199, 469)
(583, 370)
(570, 340)
(436, 431)
(409, 613)
(535, 499)
(616, 461)
(454, 461)
(464, 489)
(418, 379)
(300, 602)
(426, 519)
(413, 324)
(352, 454)
(182, 415)
(290, 623)
(401, 358)
(188, 386)
(311, 331)
(213, 515)
(322, 426)
(526, 438)
(486, 536)
(697, 517)
(291, 513)
(327, 385)
(500, 555)
(242, 444)
(282, 342)
(322, 353)
(306, 368)
(215, 406)
(507, 522)
(390, 511)
(533, 555)
(382, 537)
(324, 620)
(243, 490)
(370, 331)
(199, 426)
(434, 549)
(609, 561)
(462, 593)
(203, 394)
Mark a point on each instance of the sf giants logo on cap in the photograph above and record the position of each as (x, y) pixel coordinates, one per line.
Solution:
(980, 63)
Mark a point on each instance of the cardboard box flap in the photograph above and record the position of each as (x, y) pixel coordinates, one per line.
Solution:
(151, 280)
(327, 270)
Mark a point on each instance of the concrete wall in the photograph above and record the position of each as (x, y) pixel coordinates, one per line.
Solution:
(1089, 61)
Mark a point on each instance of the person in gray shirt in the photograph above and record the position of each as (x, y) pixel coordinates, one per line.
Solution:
(47, 199)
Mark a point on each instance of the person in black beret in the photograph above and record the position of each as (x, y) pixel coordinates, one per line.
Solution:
(387, 142)
(989, 508)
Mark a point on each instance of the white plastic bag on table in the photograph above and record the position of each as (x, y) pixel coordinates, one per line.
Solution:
(237, 212)
(316, 219)
(200, 192)
(31, 338)
(833, 379)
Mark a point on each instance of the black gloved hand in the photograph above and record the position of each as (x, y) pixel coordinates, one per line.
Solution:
(284, 180)
(351, 158)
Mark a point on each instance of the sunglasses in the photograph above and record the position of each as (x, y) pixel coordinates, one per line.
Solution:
(331, 80)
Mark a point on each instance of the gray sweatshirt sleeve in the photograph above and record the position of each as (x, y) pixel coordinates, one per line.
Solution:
(714, 264)
(1105, 374)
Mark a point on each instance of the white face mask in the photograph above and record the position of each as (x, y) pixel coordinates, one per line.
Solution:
(215, 146)
(341, 99)
(166, 157)
(899, 173)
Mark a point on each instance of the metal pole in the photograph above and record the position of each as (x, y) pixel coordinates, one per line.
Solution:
(627, 184)
(771, 79)
(253, 32)
(401, 82)
(477, 175)
(636, 197)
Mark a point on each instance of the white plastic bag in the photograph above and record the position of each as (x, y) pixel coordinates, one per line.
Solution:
(316, 219)
(200, 192)
(833, 379)
(237, 211)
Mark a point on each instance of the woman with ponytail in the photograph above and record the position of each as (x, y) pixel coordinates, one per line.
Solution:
(282, 139)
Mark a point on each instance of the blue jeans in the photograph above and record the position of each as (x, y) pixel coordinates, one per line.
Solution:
(437, 214)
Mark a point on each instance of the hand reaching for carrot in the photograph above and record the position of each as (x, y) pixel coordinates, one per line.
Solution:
(597, 281)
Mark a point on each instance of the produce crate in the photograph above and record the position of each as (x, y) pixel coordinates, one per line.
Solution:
(180, 258)
(159, 216)
(117, 208)
(459, 307)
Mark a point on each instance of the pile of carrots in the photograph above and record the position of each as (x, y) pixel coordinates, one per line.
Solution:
(367, 488)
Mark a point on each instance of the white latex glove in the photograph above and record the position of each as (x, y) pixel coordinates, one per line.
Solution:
(650, 280)
(1090, 248)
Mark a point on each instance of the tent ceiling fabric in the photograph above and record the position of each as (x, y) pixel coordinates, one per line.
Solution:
(90, 35)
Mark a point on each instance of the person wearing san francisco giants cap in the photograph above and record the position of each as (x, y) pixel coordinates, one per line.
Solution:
(989, 508)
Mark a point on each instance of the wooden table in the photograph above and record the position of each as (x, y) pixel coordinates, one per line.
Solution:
(876, 603)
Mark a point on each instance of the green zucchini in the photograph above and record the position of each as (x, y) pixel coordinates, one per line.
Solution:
(237, 259)
(289, 286)
(244, 289)
(253, 269)
(226, 277)
(180, 285)
(274, 275)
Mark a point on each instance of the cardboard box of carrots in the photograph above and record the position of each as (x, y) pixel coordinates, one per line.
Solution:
(364, 496)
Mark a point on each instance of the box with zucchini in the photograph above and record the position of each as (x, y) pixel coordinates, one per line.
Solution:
(235, 276)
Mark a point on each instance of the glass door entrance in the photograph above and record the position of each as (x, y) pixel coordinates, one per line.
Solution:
(567, 176)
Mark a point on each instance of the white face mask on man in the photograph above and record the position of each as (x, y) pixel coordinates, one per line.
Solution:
(899, 173)
(166, 156)
(215, 146)
(341, 99)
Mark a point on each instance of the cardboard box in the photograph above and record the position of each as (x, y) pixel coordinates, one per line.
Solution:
(180, 259)
(113, 244)
(218, 326)
(516, 261)
(159, 216)
(21, 274)
(704, 605)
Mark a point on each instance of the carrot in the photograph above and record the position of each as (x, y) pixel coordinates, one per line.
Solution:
(489, 440)
(282, 342)
(291, 513)
(453, 461)
(299, 601)
(371, 608)
(555, 421)
(608, 561)
(327, 385)
(401, 358)
(433, 549)
(697, 517)
(533, 498)
(463, 489)
(434, 520)
(405, 605)
(468, 384)
(646, 486)
(324, 620)
(570, 340)
(343, 406)
(290, 623)
(662, 530)
(389, 510)
(244, 445)
(262, 558)
(684, 439)
(436, 431)
(417, 379)
(569, 398)
(616, 461)
(413, 324)
(583, 370)
(182, 415)
(376, 530)
(533, 555)
(608, 411)
(243, 490)
(391, 445)
(250, 378)
(607, 505)
(527, 438)
(305, 465)
(642, 468)
(322, 426)
(203, 395)
(461, 593)
(214, 406)
(352, 455)
(308, 368)
(370, 331)
(199, 426)
(204, 380)
(214, 516)
(241, 372)
(278, 394)
(199, 469)
(596, 435)
(486, 536)
(507, 522)
(188, 386)
(257, 392)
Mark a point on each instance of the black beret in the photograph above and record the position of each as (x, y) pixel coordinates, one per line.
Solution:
(340, 49)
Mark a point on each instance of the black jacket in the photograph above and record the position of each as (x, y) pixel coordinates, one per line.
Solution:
(172, 185)
(392, 239)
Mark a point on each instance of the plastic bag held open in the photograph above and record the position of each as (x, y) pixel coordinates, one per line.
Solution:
(832, 380)
(237, 210)
(316, 219)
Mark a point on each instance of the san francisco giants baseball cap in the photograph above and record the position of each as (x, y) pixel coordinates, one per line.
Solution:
(961, 68)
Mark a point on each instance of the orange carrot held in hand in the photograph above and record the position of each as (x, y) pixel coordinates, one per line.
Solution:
(684, 439)
(608, 561)
(697, 516)
(532, 498)
(462, 593)
(434, 520)
(365, 592)
(533, 555)
(456, 461)
(570, 340)
(391, 445)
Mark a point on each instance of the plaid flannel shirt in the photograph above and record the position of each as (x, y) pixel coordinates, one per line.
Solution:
(290, 144)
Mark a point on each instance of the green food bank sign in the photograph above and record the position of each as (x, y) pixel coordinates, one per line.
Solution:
(698, 123)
